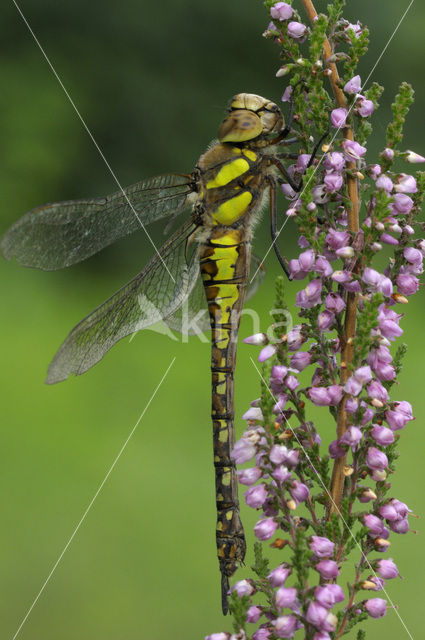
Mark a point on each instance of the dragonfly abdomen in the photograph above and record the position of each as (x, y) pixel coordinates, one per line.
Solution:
(224, 263)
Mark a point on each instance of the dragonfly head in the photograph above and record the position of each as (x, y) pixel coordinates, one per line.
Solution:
(250, 116)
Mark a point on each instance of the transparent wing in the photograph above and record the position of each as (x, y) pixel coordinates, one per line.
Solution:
(150, 297)
(59, 234)
(192, 317)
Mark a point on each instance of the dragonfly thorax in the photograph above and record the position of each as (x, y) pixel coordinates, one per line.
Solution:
(250, 116)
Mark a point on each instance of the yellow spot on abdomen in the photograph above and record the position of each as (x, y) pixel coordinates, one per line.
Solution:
(229, 172)
(223, 437)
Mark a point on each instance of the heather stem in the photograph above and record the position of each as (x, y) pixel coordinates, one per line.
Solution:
(337, 481)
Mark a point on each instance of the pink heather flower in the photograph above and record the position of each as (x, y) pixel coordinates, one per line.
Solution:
(323, 267)
(376, 459)
(321, 635)
(334, 302)
(243, 451)
(334, 161)
(302, 162)
(306, 260)
(310, 296)
(253, 614)
(376, 607)
(375, 171)
(366, 495)
(388, 153)
(335, 392)
(329, 594)
(292, 383)
(257, 339)
(339, 117)
(299, 492)
(412, 255)
(399, 526)
(294, 338)
(402, 203)
(278, 373)
(333, 182)
(286, 96)
(406, 184)
(374, 524)
(300, 360)
(286, 597)
(353, 86)
(285, 626)
(218, 636)
(398, 417)
(320, 195)
(254, 413)
(296, 29)
(380, 359)
(353, 150)
(316, 615)
(385, 183)
(281, 403)
(256, 496)
(377, 281)
(325, 396)
(278, 453)
(414, 158)
(345, 252)
(357, 28)
(281, 474)
(264, 529)
(321, 547)
(387, 569)
(249, 476)
(335, 450)
(363, 374)
(353, 386)
(366, 108)
(328, 569)
(281, 11)
(278, 576)
(351, 437)
(386, 238)
(325, 320)
(243, 588)
(267, 352)
(262, 634)
(382, 435)
(407, 284)
(337, 239)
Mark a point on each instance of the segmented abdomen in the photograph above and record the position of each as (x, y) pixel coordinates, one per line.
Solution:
(225, 258)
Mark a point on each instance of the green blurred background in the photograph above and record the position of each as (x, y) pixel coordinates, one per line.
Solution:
(152, 85)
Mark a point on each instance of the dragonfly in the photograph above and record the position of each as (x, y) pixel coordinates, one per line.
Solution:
(206, 262)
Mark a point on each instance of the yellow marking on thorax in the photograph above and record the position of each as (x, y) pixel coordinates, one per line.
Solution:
(229, 172)
(232, 209)
(250, 154)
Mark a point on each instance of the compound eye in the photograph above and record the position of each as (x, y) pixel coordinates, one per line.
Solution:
(272, 121)
(239, 126)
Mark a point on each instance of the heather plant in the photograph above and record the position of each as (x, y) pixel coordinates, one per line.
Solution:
(327, 509)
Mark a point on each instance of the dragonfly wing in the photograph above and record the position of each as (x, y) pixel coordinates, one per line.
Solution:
(257, 274)
(150, 297)
(192, 317)
(59, 234)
